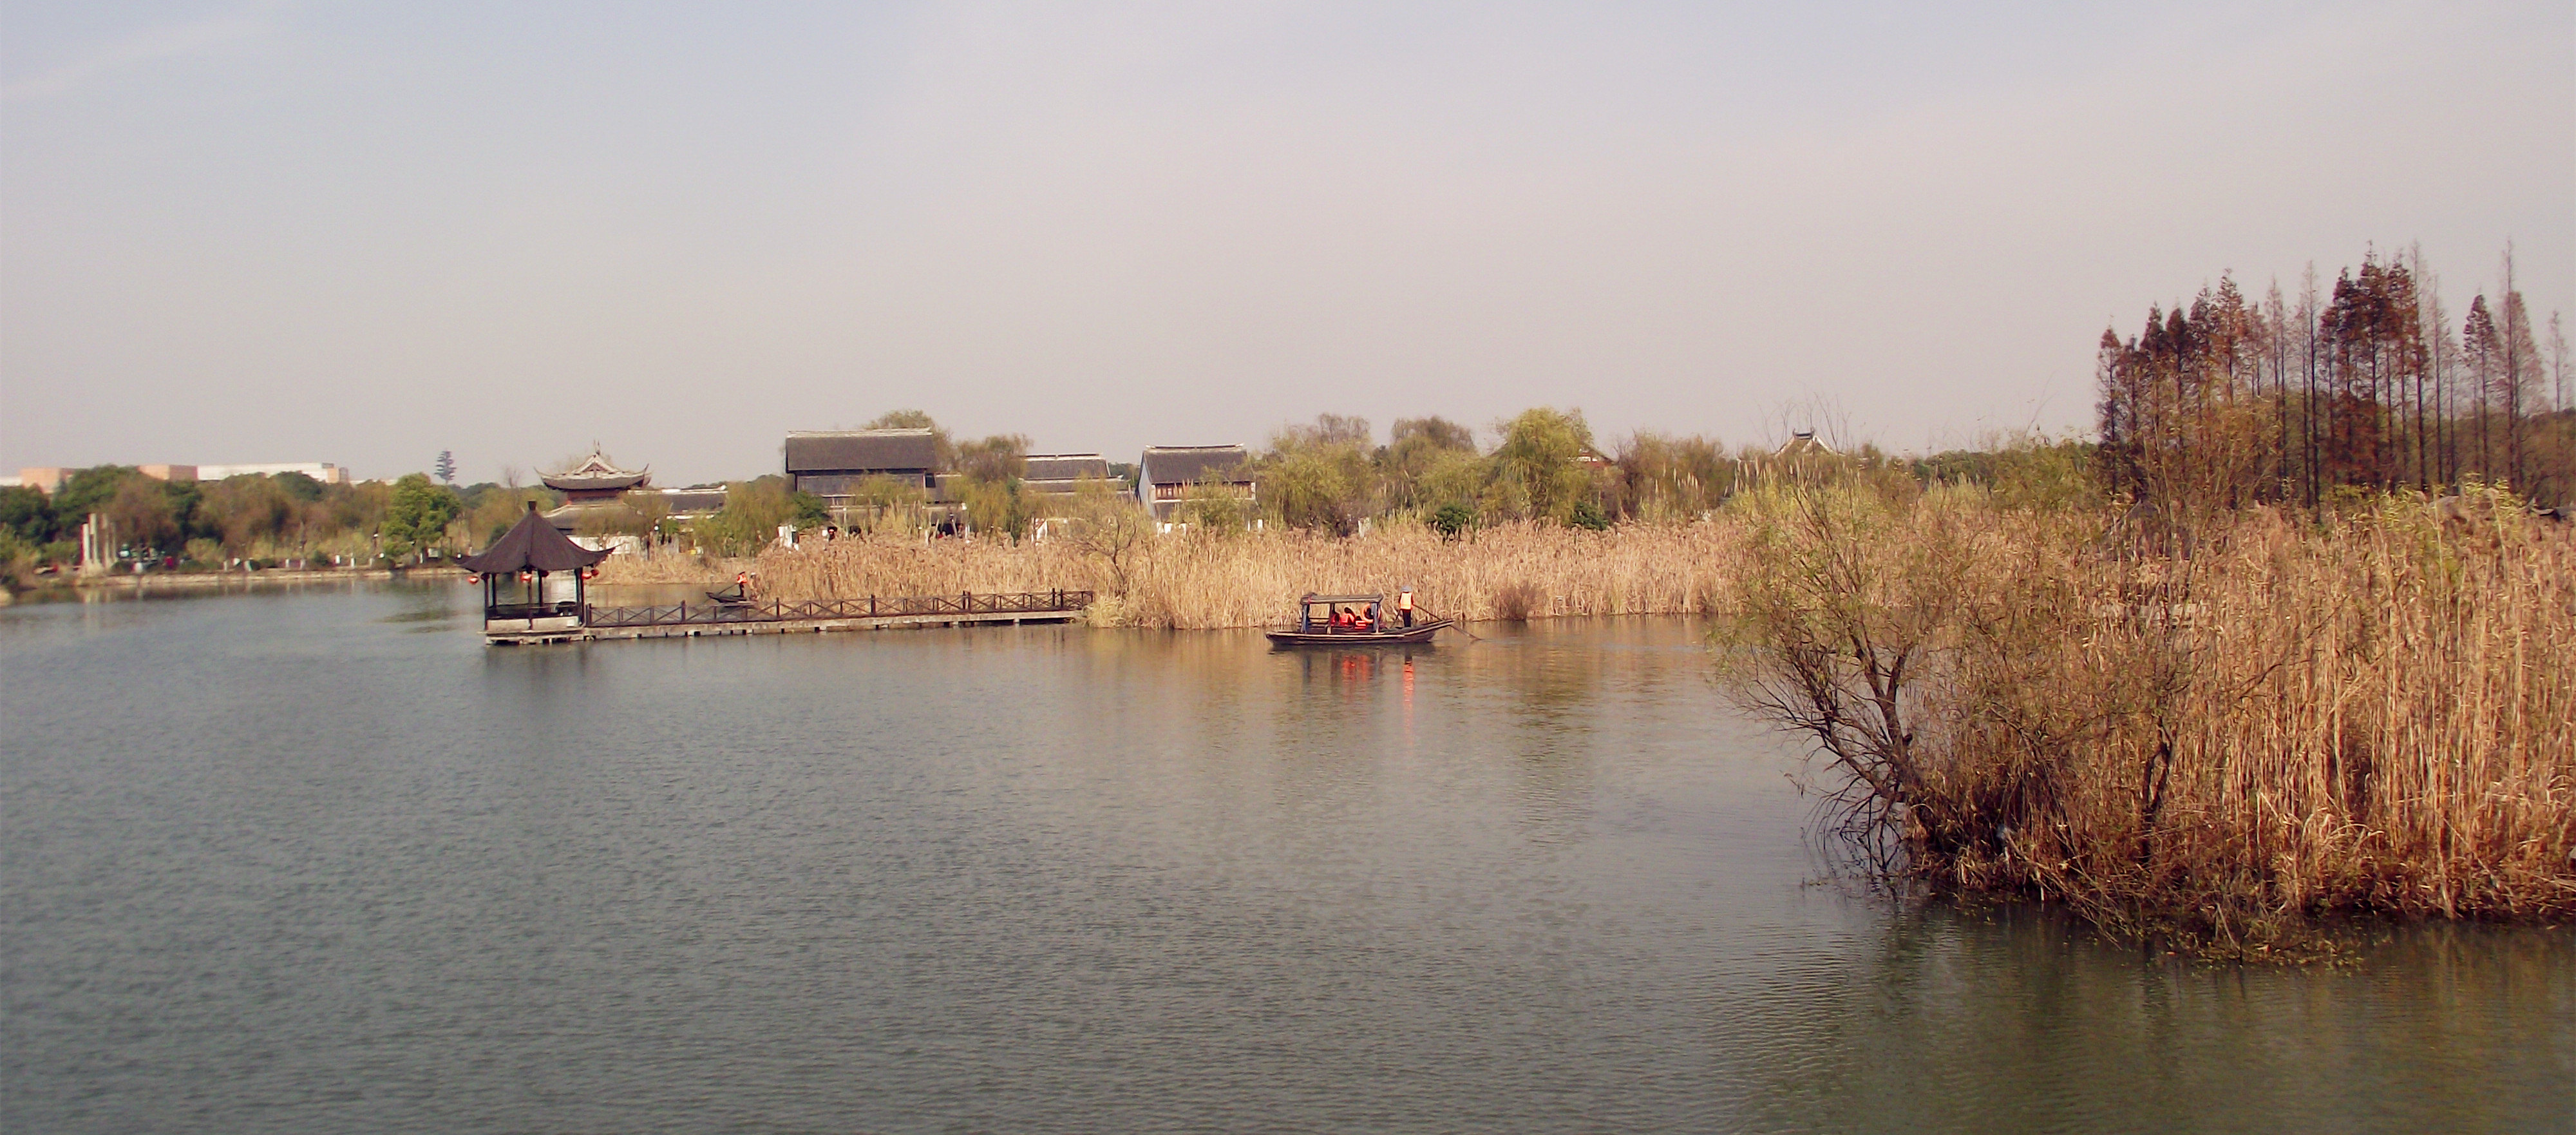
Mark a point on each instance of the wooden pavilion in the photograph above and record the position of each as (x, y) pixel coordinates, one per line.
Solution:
(518, 606)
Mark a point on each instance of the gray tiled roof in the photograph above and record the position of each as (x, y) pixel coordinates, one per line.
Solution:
(1185, 464)
(861, 451)
(695, 499)
(1066, 466)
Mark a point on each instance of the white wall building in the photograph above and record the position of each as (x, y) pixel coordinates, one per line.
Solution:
(323, 471)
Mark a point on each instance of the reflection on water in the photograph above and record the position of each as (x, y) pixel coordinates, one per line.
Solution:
(279, 863)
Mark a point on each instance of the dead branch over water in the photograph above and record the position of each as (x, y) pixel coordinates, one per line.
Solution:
(2210, 728)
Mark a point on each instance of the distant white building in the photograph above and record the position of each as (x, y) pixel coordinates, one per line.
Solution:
(323, 471)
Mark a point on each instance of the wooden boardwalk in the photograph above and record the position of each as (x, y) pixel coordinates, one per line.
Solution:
(792, 616)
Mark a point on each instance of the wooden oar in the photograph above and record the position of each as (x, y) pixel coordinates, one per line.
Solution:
(1459, 627)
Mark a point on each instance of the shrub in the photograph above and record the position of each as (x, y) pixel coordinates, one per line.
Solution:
(1453, 518)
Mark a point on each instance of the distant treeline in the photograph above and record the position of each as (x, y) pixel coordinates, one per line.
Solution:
(2370, 386)
(1332, 475)
(276, 519)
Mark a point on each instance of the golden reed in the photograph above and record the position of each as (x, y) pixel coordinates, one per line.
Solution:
(1250, 579)
(2220, 728)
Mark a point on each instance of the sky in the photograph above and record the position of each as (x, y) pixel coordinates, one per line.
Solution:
(365, 233)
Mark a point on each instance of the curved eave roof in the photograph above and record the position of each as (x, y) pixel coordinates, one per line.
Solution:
(595, 482)
(533, 543)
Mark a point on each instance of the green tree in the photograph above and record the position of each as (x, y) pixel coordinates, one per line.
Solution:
(88, 490)
(990, 473)
(1417, 448)
(417, 515)
(750, 518)
(1213, 505)
(1453, 518)
(246, 509)
(917, 420)
(805, 510)
(1320, 477)
(1539, 465)
(1664, 478)
(27, 513)
(880, 503)
(141, 512)
(1108, 525)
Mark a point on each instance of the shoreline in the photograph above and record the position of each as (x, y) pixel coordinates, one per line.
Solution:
(218, 581)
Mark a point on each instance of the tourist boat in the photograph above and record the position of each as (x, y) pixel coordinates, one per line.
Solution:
(1353, 620)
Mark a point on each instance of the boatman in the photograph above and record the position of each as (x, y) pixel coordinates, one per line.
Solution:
(1404, 605)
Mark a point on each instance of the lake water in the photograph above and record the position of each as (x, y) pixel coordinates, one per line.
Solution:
(322, 862)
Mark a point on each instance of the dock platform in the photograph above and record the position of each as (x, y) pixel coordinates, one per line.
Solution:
(782, 616)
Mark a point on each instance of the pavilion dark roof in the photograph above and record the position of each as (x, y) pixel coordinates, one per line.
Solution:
(533, 543)
(862, 451)
(1185, 464)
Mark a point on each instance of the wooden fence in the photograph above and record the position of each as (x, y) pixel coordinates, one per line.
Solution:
(924, 607)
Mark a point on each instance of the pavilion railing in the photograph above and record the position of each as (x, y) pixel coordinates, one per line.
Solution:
(872, 607)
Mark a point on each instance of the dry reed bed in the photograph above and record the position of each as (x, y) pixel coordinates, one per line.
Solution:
(1250, 579)
(2287, 722)
(669, 567)
(2284, 722)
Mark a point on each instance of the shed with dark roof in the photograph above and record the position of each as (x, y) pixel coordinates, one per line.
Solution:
(1043, 467)
(832, 463)
(1165, 474)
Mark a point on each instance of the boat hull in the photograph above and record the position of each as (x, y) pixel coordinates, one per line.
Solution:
(1408, 636)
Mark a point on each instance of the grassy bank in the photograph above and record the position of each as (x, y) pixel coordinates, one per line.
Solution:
(2218, 728)
(1248, 579)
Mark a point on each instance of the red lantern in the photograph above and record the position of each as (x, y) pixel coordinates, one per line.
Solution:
(470, 577)
(527, 577)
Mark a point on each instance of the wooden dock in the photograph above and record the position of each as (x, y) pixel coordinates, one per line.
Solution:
(782, 616)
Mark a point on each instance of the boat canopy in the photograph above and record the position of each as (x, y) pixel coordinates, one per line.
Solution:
(1343, 599)
(534, 543)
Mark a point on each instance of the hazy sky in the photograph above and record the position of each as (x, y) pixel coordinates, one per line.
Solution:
(364, 233)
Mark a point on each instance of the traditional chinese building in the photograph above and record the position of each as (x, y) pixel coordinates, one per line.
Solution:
(596, 480)
(1167, 473)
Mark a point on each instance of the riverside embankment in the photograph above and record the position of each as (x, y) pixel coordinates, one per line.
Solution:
(217, 582)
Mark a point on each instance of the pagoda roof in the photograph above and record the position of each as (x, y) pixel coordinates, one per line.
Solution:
(595, 474)
(533, 543)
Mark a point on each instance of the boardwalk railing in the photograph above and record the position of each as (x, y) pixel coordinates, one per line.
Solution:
(872, 607)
